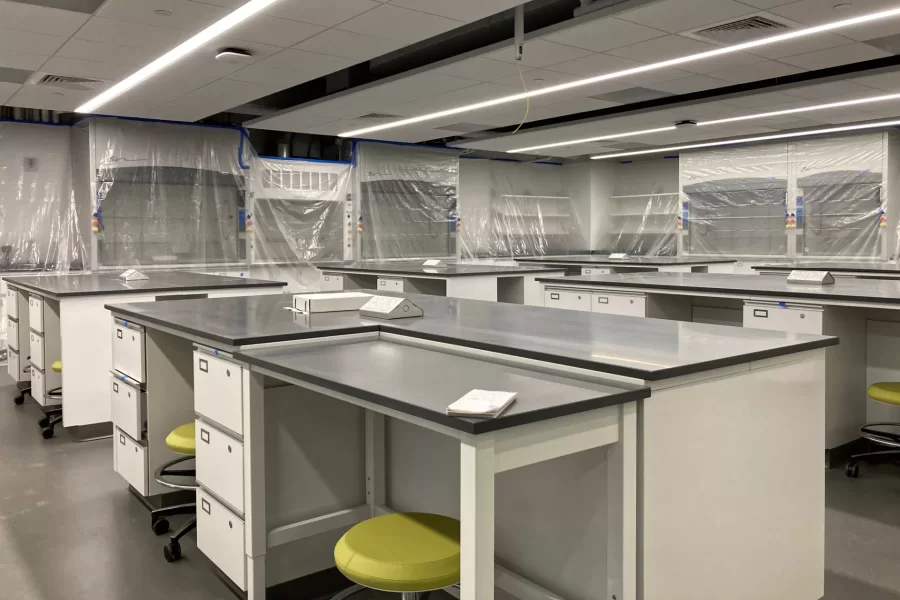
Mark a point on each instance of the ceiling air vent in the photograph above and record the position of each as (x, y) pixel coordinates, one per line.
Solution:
(379, 116)
(742, 30)
(70, 83)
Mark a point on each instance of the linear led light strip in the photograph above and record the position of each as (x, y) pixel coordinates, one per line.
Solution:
(213, 31)
(759, 138)
(628, 72)
(765, 115)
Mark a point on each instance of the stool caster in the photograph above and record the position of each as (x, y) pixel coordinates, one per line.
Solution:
(852, 470)
(45, 422)
(172, 551)
(160, 526)
(19, 400)
(47, 432)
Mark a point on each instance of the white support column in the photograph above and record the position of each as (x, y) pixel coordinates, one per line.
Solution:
(622, 484)
(255, 533)
(477, 519)
(374, 462)
(256, 578)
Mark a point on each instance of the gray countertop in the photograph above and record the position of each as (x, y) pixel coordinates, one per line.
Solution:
(638, 261)
(408, 269)
(424, 382)
(95, 284)
(844, 289)
(648, 349)
(837, 267)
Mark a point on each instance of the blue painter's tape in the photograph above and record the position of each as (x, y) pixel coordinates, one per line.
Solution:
(126, 323)
(782, 304)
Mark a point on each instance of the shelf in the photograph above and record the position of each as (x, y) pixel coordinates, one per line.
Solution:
(645, 195)
(535, 197)
(696, 219)
(671, 214)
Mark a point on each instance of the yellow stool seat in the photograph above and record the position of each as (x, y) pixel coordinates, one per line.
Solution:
(57, 366)
(885, 391)
(401, 552)
(182, 440)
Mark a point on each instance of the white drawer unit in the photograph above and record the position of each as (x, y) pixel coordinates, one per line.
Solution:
(220, 465)
(17, 370)
(595, 270)
(36, 348)
(332, 282)
(128, 350)
(12, 303)
(390, 284)
(36, 313)
(572, 300)
(12, 334)
(128, 405)
(629, 305)
(38, 386)
(130, 460)
(220, 536)
(219, 391)
(794, 318)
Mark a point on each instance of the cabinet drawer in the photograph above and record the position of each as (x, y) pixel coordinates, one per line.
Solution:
(390, 284)
(219, 391)
(36, 348)
(12, 334)
(36, 313)
(12, 303)
(568, 299)
(130, 461)
(128, 349)
(220, 536)
(38, 385)
(595, 270)
(790, 318)
(619, 304)
(332, 283)
(128, 405)
(220, 465)
(13, 366)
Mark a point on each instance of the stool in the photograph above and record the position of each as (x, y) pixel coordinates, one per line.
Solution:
(889, 393)
(52, 415)
(412, 554)
(180, 441)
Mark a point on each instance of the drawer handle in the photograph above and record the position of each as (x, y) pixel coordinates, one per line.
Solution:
(554, 296)
(326, 278)
(204, 436)
(631, 301)
(383, 282)
(115, 387)
(135, 449)
(802, 316)
(227, 373)
(119, 333)
(587, 271)
(230, 525)
(204, 365)
(579, 297)
(602, 300)
(229, 449)
(122, 439)
(205, 506)
(762, 313)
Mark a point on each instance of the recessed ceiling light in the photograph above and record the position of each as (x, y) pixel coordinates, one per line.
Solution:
(749, 140)
(163, 12)
(629, 72)
(234, 55)
(765, 115)
(224, 24)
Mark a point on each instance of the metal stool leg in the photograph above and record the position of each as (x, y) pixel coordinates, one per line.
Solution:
(348, 592)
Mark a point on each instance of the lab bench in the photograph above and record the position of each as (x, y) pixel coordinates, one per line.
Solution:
(308, 424)
(593, 264)
(866, 269)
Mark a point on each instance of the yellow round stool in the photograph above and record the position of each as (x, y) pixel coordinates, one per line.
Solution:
(887, 392)
(407, 553)
(180, 441)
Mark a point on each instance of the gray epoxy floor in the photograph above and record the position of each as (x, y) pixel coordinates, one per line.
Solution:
(69, 529)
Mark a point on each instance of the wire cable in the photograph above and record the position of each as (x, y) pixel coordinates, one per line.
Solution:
(527, 100)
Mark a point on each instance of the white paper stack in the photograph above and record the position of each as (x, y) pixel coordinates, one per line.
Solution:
(334, 302)
(481, 403)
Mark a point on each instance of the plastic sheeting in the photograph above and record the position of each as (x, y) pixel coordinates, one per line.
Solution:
(645, 224)
(407, 201)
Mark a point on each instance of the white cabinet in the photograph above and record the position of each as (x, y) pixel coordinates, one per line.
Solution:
(36, 313)
(130, 459)
(129, 405)
(595, 270)
(390, 284)
(332, 282)
(128, 350)
(220, 465)
(12, 303)
(220, 536)
(630, 305)
(794, 318)
(571, 300)
(12, 334)
(36, 347)
(218, 391)
(14, 367)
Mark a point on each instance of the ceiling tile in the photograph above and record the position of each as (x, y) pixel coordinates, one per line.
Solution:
(21, 60)
(767, 101)
(461, 10)
(7, 90)
(357, 46)
(765, 3)
(327, 13)
(313, 65)
(274, 31)
(258, 50)
(663, 48)
(401, 24)
(75, 67)
(536, 79)
(682, 15)
(801, 46)
(185, 16)
(686, 85)
(595, 64)
(40, 19)
(32, 96)
(817, 12)
(125, 33)
(166, 87)
(835, 56)
(540, 53)
(888, 82)
(261, 74)
(756, 72)
(217, 96)
(836, 90)
(110, 53)
(604, 34)
(482, 69)
(28, 41)
(718, 63)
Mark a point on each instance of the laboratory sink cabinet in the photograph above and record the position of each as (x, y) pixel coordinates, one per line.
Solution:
(44, 348)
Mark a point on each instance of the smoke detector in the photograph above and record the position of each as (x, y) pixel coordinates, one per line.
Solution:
(685, 124)
(234, 55)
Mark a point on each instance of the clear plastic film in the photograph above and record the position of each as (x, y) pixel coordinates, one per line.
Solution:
(644, 208)
(510, 210)
(407, 201)
(166, 195)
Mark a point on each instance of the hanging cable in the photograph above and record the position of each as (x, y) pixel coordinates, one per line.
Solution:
(527, 100)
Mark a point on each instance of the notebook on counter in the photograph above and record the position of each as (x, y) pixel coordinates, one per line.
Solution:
(483, 404)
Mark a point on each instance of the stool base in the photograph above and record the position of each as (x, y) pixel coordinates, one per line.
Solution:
(403, 595)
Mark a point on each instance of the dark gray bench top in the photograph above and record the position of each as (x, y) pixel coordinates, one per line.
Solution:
(100, 284)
